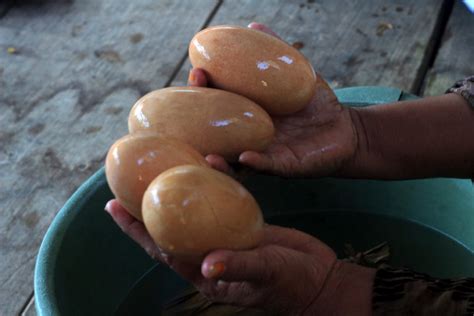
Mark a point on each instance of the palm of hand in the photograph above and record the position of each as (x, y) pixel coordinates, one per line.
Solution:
(315, 141)
(261, 277)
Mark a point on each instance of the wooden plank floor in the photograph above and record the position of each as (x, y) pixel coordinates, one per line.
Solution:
(70, 71)
(455, 58)
(77, 68)
(349, 42)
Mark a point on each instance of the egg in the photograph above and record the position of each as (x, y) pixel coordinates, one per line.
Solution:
(256, 65)
(212, 121)
(134, 161)
(191, 210)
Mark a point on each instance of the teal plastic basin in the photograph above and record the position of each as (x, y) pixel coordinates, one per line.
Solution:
(87, 266)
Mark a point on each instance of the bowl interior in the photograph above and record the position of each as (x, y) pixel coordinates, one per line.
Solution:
(426, 223)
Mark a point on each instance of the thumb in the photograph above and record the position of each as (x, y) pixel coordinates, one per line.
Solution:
(258, 265)
(197, 78)
(263, 28)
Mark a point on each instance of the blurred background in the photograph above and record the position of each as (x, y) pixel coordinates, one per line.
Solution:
(70, 71)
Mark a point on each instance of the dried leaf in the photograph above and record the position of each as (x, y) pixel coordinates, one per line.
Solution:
(382, 27)
(192, 303)
(373, 257)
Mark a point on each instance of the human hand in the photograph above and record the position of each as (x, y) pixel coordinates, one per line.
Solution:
(289, 273)
(320, 140)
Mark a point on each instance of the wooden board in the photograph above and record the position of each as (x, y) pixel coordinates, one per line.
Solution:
(455, 58)
(349, 42)
(5, 6)
(30, 309)
(69, 73)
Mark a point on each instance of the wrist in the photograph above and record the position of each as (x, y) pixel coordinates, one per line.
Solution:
(376, 156)
(356, 165)
(347, 291)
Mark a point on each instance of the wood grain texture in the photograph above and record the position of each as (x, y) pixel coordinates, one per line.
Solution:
(30, 309)
(455, 58)
(349, 42)
(69, 73)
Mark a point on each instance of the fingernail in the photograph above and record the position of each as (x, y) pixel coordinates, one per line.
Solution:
(107, 206)
(215, 270)
(251, 24)
(192, 77)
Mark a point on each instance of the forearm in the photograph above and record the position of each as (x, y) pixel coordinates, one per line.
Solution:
(430, 137)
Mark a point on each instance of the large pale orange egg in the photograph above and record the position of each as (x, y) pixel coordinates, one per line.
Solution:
(256, 65)
(134, 161)
(212, 121)
(191, 210)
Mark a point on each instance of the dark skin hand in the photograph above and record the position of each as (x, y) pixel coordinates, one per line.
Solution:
(289, 273)
(316, 141)
(428, 137)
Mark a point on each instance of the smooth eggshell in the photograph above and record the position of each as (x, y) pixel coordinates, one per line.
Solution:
(212, 121)
(256, 65)
(191, 210)
(134, 161)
